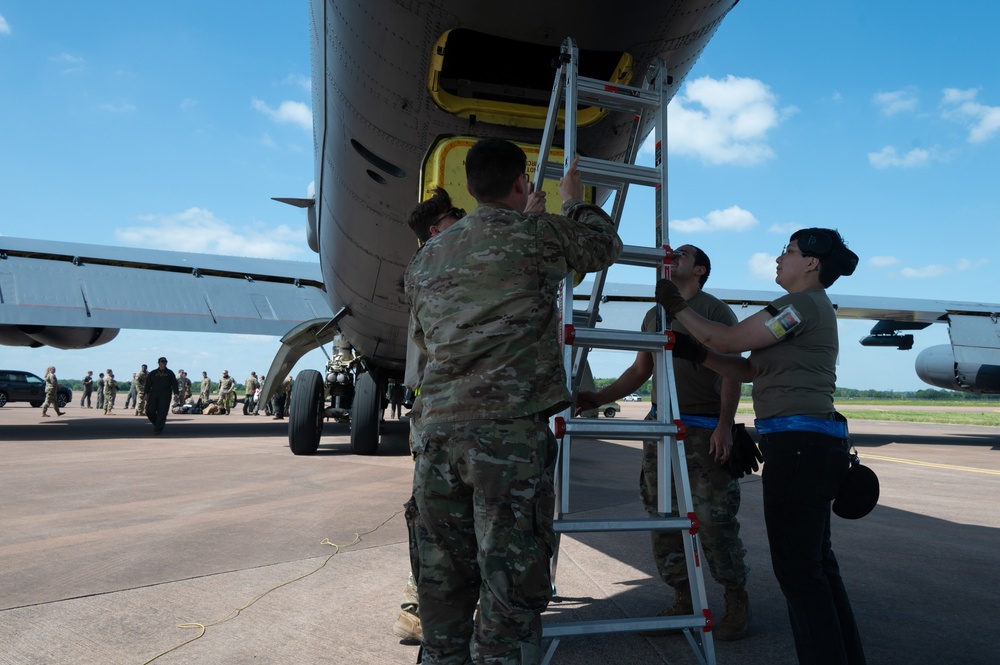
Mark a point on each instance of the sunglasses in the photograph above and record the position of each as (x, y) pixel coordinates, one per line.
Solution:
(457, 213)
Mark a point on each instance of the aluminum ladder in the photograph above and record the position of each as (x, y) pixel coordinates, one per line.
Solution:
(579, 334)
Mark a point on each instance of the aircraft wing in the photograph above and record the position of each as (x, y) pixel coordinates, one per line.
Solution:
(72, 295)
(970, 363)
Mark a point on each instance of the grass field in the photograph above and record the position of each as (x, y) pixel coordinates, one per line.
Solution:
(964, 413)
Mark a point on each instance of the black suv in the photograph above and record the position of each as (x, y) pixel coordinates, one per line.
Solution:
(18, 386)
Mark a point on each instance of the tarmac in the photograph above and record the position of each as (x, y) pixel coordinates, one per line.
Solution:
(213, 543)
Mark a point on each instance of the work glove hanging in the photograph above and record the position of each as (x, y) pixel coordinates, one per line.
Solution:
(687, 347)
(744, 457)
(668, 297)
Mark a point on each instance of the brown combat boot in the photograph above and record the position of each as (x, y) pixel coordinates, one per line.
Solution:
(407, 627)
(682, 604)
(737, 615)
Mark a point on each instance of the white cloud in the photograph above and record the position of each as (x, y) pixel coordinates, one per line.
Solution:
(896, 101)
(199, 230)
(267, 140)
(882, 261)
(4, 26)
(938, 269)
(762, 265)
(933, 270)
(299, 80)
(961, 106)
(120, 107)
(724, 121)
(296, 113)
(73, 63)
(956, 96)
(188, 103)
(784, 229)
(733, 218)
(888, 157)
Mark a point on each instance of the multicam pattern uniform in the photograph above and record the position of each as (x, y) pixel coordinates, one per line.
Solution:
(483, 304)
(714, 493)
(140, 392)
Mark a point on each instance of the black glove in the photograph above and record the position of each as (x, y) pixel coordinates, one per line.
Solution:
(688, 348)
(744, 457)
(669, 297)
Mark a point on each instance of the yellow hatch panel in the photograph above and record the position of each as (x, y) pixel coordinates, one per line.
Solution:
(512, 113)
(445, 167)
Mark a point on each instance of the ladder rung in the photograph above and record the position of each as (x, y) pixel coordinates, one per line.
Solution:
(604, 173)
(617, 97)
(631, 625)
(621, 340)
(644, 524)
(629, 430)
(651, 257)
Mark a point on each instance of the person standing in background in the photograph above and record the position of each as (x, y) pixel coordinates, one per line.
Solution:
(51, 392)
(88, 390)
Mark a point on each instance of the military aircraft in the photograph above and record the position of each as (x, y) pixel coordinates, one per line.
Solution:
(400, 91)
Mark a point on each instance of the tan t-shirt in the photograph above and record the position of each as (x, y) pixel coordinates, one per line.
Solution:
(797, 376)
(698, 387)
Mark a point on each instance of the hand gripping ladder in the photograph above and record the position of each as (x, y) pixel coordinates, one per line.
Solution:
(580, 335)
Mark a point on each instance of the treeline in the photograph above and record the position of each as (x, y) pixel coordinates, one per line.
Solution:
(854, 393)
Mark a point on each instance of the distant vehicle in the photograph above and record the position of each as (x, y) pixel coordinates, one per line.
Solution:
(19, 386)
(609, 410)
(634, 397)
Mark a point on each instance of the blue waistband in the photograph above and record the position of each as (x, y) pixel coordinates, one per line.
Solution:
(704, 422)
(834, 428)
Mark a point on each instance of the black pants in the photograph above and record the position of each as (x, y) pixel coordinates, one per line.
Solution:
(801, 477)
(157, 408)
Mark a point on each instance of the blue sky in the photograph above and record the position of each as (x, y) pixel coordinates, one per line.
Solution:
(171, 125)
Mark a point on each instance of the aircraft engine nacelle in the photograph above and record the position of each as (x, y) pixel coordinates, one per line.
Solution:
(60, 337)
(936, 366)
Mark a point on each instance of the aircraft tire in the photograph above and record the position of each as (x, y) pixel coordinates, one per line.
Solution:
(365, 411)
(305, 420)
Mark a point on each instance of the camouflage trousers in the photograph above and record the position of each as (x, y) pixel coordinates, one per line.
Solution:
(716, 498)
(481, 532)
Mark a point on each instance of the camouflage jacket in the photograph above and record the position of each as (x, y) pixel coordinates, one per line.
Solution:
(483, 308)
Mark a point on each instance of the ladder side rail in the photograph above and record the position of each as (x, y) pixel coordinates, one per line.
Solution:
(551, 125)
(570, 56)
(570, 96)
(692, 542)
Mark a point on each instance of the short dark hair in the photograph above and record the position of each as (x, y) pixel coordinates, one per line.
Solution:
(491, 166)
(701, 259)
(827, 245)
(424, 215)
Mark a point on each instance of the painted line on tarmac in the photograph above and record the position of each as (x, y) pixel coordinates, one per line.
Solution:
(936, 465)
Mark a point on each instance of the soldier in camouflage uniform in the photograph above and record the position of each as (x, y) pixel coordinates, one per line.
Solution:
(51, 392)
(100, 391)
(428, 219)
(206, 388)
(110, 392)
(140, 391)
(483, 310)
(708, 407)
(249, 388)
(227, 392)
(183, 387)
